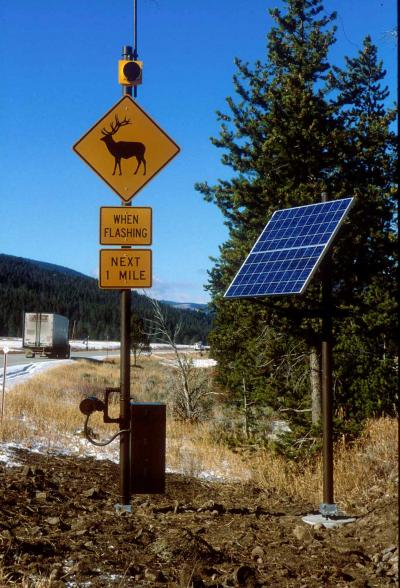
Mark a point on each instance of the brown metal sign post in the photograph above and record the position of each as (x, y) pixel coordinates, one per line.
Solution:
(126, 148)
(125, 376)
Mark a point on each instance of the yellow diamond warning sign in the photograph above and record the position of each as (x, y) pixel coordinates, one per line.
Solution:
(126, 148)
(122, 269)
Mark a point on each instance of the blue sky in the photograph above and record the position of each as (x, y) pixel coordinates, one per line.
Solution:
(58, 67)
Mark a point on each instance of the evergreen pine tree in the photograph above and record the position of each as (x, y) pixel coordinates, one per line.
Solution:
(366, 339)
(287, 143)
(278, 141)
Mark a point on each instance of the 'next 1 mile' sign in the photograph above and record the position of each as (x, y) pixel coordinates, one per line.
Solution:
(125, 268)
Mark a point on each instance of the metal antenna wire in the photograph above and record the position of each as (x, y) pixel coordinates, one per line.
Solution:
(135, 51)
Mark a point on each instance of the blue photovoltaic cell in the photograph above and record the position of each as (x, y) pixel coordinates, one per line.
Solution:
(289, 250)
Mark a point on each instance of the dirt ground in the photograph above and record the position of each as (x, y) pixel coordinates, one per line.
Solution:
(57, 520)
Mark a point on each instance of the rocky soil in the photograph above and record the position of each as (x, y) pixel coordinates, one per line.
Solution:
(58, 522)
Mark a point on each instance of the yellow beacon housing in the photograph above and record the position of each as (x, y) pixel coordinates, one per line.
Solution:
(130, 72)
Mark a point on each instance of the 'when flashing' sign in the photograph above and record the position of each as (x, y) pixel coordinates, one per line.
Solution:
(123, 225)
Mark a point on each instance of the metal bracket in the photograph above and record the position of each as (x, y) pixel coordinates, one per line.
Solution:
(106, 417)
(329, 510)
(92, 404)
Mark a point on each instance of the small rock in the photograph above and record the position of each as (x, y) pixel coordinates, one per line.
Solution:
(257, 553)
(154, 576)
(246, 577)
(380, 569)
(41, 496)
(55, 573)
(150, 576)
(91, 493)
(53, 520)
(207, 505)
(300, 532)
(35, 530)
(197, 582)
(375, 558)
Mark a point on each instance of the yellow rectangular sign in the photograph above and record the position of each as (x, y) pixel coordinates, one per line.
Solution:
(125, 225)
(122, 269)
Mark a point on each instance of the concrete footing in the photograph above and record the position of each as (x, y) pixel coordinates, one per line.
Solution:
(328, 522)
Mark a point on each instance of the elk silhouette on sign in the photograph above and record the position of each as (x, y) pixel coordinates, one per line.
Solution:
(123, 149)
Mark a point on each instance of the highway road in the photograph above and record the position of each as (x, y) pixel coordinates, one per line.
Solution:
(20, 359)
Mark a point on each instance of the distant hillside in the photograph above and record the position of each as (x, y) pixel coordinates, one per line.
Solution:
(186, 305)
(54, 268)
(34, 286)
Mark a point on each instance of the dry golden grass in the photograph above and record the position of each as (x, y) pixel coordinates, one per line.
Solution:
(191, 450)
(363, 470)
(47, 405)
(45, 411)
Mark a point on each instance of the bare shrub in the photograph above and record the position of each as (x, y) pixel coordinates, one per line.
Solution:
(190, 389)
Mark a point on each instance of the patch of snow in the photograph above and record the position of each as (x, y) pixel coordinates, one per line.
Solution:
(279, 428)
(17, 374)
(204, 363)
(78, 345)
(13, 344)
(67, 445)
(6, 457)
(197, 363)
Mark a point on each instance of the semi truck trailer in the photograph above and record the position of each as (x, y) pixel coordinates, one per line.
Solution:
(46, 334)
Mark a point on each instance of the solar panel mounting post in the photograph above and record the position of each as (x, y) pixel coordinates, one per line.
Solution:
(282, 261)
(327, 507)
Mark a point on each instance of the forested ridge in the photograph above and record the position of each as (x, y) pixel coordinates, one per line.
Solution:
(31, 286)
(300, 127)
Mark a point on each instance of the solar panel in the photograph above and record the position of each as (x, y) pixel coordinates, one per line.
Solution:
(289, 250)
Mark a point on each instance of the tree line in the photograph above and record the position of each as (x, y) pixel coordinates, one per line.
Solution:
(29, 286)
(299, 127)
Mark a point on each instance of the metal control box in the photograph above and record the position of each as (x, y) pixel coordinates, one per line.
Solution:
(148, 433)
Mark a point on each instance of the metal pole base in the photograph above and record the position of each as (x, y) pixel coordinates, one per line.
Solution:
(329, 510)
(123, 508)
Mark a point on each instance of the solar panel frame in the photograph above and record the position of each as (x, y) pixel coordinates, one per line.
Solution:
(292, 246)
